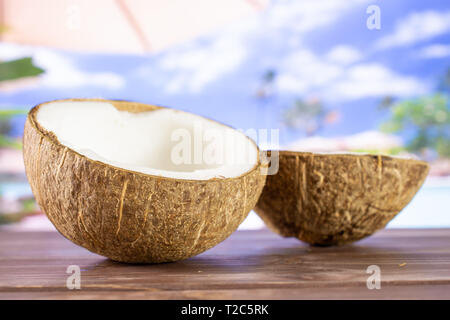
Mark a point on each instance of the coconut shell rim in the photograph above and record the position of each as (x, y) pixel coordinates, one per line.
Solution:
(289, 153)
(54, 139)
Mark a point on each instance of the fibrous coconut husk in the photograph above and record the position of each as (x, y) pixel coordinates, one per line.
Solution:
(328, 199)
(130, 216)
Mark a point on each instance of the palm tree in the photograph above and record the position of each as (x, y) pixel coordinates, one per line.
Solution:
(14, 70)
(309, 116)
(427, 118)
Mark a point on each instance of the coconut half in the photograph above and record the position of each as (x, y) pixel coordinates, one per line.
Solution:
(139, 183)
(328, 199)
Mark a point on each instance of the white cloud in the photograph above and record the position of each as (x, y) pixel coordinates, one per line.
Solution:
(60, 71)
(303, 16)
(332, 77)
(11, 51)
(416, 27)
(191, 68)
(435, 51)
(302, 71)
(372, 80)
(343, 54)
(194, 67)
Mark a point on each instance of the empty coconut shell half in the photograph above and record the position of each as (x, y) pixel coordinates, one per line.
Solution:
(118, 179)
(333, 199)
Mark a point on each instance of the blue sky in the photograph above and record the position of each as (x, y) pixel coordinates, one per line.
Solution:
(320, 49)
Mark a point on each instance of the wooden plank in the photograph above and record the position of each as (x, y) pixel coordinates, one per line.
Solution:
(248, 265)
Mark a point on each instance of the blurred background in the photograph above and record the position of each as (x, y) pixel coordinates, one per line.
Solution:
(331, 75)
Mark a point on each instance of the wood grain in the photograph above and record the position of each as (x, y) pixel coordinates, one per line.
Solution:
(248, 265)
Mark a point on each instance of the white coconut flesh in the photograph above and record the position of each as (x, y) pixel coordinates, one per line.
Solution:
(163, 142)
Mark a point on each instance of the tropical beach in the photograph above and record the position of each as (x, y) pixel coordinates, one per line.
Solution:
(261, 65)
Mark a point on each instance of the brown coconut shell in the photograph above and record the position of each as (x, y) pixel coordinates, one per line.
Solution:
(333, 199)
(130, 216)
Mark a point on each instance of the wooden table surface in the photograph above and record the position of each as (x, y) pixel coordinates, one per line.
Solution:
(248, 265)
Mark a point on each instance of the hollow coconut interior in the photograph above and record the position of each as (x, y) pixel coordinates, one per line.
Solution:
(162, 142)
